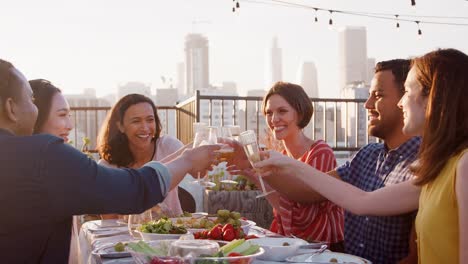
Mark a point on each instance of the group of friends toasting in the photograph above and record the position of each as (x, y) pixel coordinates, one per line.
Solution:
(404, 200)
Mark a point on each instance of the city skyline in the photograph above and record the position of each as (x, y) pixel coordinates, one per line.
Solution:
(105, 44)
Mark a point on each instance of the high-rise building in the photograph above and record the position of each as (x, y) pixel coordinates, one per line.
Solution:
(356, 123)
(87, 123)
(251, 115)
(307, 78)
(370, 69)
(352, 54)
(196, 63)
(218, 112)
(274, 67)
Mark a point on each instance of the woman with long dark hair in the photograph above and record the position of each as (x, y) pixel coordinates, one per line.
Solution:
(131, 136)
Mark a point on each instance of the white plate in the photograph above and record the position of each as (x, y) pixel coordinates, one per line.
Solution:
(275, 250)
(326, 257)
(108, 251)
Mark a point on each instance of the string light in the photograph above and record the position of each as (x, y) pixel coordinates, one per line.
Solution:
(419, 30)
(397, 22)
(397, 18)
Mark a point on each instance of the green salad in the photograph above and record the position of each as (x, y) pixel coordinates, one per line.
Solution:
(162, 226)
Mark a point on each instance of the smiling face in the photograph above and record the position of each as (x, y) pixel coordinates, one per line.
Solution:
(139, 125)
(58, 122)
(385, 118)
(281, 118)
(413, 104)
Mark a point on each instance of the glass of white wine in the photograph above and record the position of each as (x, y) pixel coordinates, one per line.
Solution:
(249, 141)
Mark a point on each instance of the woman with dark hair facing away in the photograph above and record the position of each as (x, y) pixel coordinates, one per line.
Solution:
(131, 136)
(434, 107)
(288, 110)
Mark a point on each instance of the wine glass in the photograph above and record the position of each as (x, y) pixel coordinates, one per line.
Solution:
(204, 135)
(235, 131)
(249, 141)
(136, 220)
(226, 152)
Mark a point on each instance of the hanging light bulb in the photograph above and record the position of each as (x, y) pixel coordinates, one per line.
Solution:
(397, 22)
(413, 3)
(330, 22)
(419, 30)
(233, 9)
(316, 19)
(237, 4)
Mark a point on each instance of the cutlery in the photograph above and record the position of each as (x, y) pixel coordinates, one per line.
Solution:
(310, 258)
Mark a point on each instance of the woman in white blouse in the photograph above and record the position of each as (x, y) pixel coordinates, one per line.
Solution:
(131, 137)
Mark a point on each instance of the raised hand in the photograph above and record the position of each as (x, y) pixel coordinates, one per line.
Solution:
(201, 158)
(275, 163)
(239, 159)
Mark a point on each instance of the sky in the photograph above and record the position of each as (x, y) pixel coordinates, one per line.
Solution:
(101, 44)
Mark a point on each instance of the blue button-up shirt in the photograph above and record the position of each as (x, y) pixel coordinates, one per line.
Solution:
(379, 239)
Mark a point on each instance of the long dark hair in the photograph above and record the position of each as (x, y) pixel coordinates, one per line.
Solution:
(443, 75)
(43, 91)
(113, 144)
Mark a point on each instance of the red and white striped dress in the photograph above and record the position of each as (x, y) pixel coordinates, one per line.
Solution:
(317, 221)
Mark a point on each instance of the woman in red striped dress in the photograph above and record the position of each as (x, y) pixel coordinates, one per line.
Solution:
(287, 110)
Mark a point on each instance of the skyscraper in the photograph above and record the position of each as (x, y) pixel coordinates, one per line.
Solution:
(274, 69)
(307, 78)
(370, 69)
(352, 54)
(196, 63)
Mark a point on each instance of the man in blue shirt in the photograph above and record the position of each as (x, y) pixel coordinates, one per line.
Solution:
(43, 182)
(380, 239)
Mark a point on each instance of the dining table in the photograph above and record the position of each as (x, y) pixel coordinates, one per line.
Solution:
(99, 234)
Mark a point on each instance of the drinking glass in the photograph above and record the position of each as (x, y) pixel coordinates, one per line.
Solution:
(235, 131)
(249, 141)
(226, 153)
(136, 220)
(204, 135)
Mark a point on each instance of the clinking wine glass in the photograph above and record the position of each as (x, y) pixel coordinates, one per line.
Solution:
(249, 141)
(226, 153)
(204, 135)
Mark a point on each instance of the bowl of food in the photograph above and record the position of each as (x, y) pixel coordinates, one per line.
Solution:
(278, 248)
(206, 222)
(235, 252)
(160, 230)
